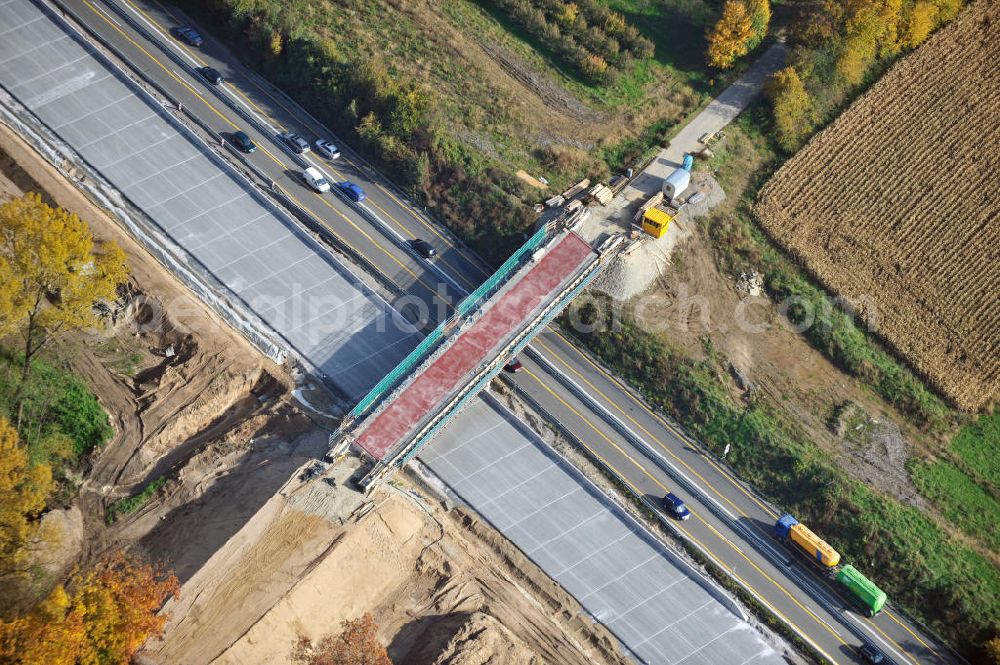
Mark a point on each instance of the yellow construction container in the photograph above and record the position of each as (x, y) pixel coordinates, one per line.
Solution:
(655, 222)
(816, 547)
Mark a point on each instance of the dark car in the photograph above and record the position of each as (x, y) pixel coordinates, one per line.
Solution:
(352, 191)
(424, 248)
(243, 142)
(514, 366)
(675, 507)
(295, 142)
(190, 36)
(211, 74)
(870, 654)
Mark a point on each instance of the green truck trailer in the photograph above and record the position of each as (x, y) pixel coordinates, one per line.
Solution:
(862, 589)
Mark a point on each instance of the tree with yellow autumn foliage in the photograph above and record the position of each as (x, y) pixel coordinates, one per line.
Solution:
(992, 648)
(101, 617)
(792, 108)
(23, 492)
(731, 36)
(920, 22)
(54, 272)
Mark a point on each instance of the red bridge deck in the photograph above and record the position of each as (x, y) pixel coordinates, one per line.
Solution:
(450, 370)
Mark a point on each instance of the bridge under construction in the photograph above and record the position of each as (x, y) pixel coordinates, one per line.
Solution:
(459, 358)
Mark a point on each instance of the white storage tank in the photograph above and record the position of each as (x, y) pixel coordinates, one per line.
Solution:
(675, 184)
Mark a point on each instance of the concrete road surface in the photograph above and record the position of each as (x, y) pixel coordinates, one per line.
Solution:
(272, 268)
(662, 609)
(792, 589)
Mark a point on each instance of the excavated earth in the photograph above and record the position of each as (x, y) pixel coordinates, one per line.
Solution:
(262, 556)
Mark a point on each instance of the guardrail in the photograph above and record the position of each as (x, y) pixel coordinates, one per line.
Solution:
(266, 185)
(467, 306)
(365, 165)
(611, 472)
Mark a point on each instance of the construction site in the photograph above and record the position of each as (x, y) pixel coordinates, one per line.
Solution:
(302, 451)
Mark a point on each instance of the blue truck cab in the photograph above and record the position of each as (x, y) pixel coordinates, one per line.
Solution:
(783, 526)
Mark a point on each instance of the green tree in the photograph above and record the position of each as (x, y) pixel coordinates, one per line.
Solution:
(760, 19)
(594, 67)
(370, 129)
(56, 271)
(276, 44)
(792, 108)
(420, 172)
(731, 36)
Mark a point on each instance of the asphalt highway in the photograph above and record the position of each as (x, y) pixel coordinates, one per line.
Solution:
(730, 524)
(378, 228)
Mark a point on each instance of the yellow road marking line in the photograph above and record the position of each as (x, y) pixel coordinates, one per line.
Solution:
(431, 227)
(340, 176)
(915, 636)
(771, 607)
(871, 622)
(153, 58)
(596, 430)
(175, 77)
(637, 424)
(600, 370)
(359, 230)
(685, 531)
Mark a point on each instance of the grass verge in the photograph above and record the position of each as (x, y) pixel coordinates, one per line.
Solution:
(959, 498)
(978, 446)
(61, 420)
(134, 503)
(945, 584)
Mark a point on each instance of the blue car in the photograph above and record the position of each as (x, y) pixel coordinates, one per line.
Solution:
(353, 192)
(190, 36)
(675, 507)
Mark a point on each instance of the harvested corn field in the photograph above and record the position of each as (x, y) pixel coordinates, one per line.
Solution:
(896, 204)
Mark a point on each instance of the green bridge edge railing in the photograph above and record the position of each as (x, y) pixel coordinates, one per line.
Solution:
(468, 305)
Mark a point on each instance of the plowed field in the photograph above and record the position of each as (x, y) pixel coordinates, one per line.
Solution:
(898, 202)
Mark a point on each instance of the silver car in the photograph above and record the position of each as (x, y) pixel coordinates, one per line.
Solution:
(326, 149)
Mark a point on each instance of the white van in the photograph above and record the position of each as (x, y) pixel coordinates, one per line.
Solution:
(315, 179)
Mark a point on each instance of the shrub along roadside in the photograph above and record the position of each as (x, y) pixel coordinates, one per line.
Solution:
(901, 549)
